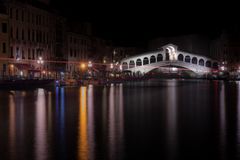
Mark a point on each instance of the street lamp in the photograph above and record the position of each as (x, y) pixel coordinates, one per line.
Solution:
(89, 64)
(40, 61)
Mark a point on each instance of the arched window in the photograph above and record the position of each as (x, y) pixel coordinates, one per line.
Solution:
(131, 64)
(187, 59)
(152, 59)
(194, 60)
(139, 62)
(159, 57)
(180, 57)
(145, 61)
(124, 65)
(209, 64)
(201, 62)
(215, 65)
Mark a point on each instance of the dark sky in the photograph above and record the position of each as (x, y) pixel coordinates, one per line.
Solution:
(134, 23)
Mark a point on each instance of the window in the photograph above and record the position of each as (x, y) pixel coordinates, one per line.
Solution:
(11, 49)
(29, 34)
(22, 34)
(11, 34)
(16, 14)
(70, 52)
(4, 47)
(17, 33)
(33, 54)
(4, 27)
(10, 13)
(23, 56)
(22, 15)
(32, 19)
(29, 54)
(33, 35)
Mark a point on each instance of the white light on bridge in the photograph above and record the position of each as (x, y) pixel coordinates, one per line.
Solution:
(174, 69)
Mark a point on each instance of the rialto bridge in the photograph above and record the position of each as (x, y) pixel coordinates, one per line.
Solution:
(169, 56)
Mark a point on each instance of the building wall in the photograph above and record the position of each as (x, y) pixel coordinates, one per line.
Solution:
(78, 50)
(32, 34)
(4, 45)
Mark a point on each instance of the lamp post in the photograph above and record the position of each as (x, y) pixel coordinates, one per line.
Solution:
(40, 62)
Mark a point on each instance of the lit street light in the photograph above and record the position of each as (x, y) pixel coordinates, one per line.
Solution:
(40, 61)
(89, 64)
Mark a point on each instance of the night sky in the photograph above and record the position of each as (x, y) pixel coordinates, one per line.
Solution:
(134, 23)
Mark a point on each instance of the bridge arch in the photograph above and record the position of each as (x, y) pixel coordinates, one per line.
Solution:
(201, 62)
(152, 59)
(139, 62)
(208, 64)
(194, 60)
(124, 65)
(163, 58)
(180, 57)
(187, 59)
(145, 61)
(159, 57)
(131, 64)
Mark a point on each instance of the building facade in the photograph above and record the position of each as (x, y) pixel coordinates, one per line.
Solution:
(32, 37)
(4, 46)
(78, 50)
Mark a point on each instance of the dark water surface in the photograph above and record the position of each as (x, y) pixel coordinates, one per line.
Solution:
(156, 120)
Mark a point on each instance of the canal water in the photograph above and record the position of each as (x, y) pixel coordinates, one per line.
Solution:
(168, 119)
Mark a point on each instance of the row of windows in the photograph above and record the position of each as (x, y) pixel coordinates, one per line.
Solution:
(30, 17)
(78, 41)
(73, 53)
(33, 35)
(153, 59)
(31, 53)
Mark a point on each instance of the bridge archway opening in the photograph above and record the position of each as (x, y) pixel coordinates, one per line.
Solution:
(194, 60)
(139, 62)
(159, 57)
(152, 59)
(131, 64)
(208, 64)
(124, 65)
(145, 61)
(215, 65)
(187, 59)
(180, 57)
(201, 62)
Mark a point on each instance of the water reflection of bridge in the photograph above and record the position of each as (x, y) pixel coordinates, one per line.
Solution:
(169, 56)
